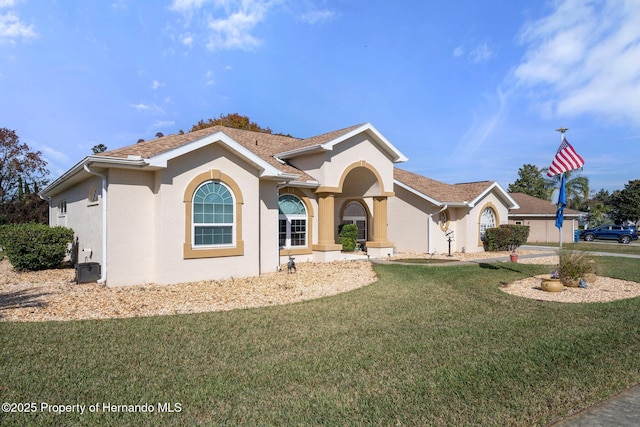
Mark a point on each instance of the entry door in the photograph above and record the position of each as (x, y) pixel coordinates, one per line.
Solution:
(355, 213)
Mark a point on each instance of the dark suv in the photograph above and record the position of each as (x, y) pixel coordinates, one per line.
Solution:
(620, 233)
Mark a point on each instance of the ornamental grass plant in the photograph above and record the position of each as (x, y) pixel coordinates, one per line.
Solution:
(574, 265)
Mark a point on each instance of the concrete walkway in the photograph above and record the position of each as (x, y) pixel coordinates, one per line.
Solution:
(622, 410)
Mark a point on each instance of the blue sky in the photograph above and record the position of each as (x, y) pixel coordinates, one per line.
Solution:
(467, 90)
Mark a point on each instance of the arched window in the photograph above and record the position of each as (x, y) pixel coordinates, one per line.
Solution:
(354, 213)
(213, 215)
(487, 220)
(292, 224)
(444, 220)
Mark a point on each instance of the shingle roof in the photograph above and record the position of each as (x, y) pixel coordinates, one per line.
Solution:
(264, 145)
(530, 205)
(325, 137)
(445, 193)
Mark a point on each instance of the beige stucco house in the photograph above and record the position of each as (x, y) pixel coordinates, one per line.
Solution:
(540, 216)
(223, 202)
(427, 213)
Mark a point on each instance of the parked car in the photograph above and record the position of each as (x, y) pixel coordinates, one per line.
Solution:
(621, 233)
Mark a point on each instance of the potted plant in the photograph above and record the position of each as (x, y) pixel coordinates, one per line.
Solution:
(513, 256)
(518, 236)
(574, 265)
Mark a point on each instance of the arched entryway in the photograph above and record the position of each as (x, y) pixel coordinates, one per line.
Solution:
(359, 182)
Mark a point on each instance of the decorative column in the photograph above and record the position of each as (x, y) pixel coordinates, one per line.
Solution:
(380, 224)
(326, 224)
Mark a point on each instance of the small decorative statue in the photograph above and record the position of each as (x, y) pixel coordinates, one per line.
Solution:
(291, 265)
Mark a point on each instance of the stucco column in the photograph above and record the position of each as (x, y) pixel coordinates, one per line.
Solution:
(326, 224)
(379, 224)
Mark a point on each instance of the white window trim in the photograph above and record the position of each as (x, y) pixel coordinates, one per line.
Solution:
(287, 218)
(194, 224)
(287, 240)
(482, 216)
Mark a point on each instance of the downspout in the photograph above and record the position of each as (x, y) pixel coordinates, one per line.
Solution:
(103, 269)
(279, 186)
(429, 233)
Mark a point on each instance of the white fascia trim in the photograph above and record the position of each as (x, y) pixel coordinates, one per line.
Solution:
(418, 193)
(99, 161)
(510, 200)
(304, 184)
(297, 152)
(78, 167)
(328, 146)
(266, 169)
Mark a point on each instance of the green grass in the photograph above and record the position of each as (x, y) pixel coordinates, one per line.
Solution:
(425, 345)
(610, 247)
(426, 260)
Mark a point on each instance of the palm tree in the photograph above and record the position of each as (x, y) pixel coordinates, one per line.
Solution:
(577, 187)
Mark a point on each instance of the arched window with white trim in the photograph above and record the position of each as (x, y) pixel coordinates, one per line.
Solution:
(292, 222)
(213, 215)
(487, 220)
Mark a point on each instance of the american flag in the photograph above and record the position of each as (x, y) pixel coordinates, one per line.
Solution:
(566, 159)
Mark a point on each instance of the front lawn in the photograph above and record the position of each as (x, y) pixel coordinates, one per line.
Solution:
(425, 345)
(607, 246)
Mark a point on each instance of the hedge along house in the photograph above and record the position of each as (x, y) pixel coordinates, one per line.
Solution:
(223, 202)
(540, 216)
(429, 212)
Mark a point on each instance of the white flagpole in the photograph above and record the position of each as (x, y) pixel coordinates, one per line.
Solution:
(562, 131)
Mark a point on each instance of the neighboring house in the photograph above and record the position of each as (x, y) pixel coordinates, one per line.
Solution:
(540, 216)
(223, 202)
(426, 213)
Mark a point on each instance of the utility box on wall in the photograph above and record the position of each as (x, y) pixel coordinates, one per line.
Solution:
(87, 272)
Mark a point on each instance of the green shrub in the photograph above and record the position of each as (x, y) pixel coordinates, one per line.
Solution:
(35, 246)
(348, 237)
(507, 237)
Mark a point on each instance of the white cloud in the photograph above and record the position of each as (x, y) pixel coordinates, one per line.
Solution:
(585, 57)
(7, 3)
(486, 121)
(53, 155)
(209, 78)
(146, 107)
(156, 85)
(140, 107)
(163, 124)
(11, 28)
(234, 30)
(186, 5)
(481, 53)
(221, 24)
(318, 16)
(187, 39)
